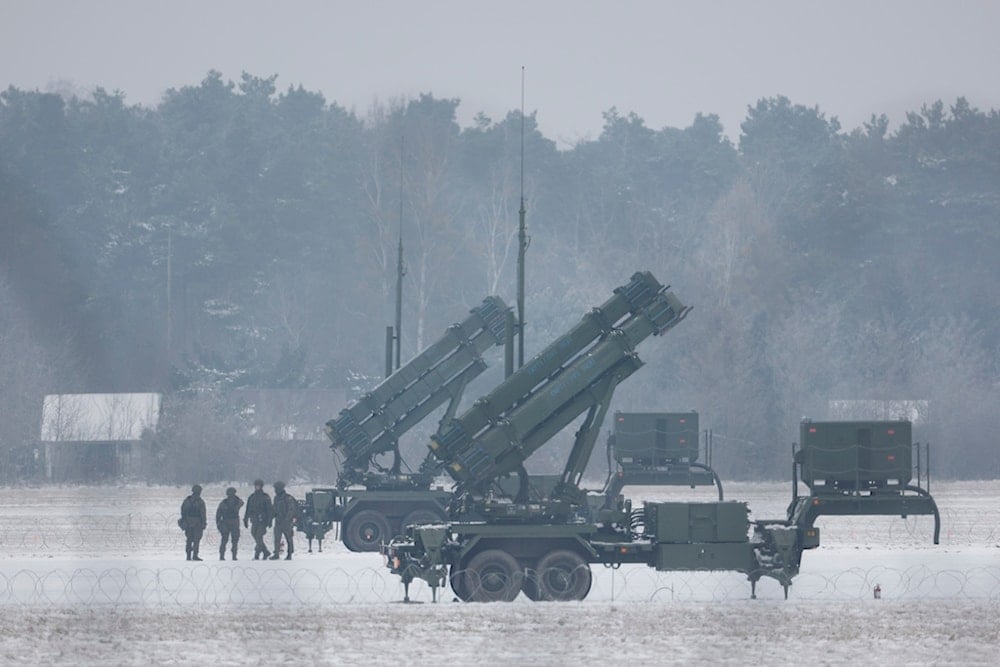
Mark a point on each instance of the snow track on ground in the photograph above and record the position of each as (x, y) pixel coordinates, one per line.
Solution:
(96, 574)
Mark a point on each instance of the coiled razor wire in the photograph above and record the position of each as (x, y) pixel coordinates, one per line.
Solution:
(226, 586)
(192, 586)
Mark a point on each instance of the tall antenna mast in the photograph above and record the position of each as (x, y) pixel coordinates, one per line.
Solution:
(400, 268)
(170, 306)
(522, 245)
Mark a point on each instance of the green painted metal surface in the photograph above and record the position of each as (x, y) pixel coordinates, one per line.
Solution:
(856, 454)
(655, 438)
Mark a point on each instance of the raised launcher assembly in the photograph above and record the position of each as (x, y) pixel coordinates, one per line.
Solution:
(391, 498)
(855, 468)
(576, 374)
(657, 449)
(440, 373)
(493, 549)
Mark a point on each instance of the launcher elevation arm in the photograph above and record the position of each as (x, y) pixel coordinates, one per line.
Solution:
(438, 374)
(573, 376)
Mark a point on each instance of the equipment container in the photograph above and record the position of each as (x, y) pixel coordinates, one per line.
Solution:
(856, 454)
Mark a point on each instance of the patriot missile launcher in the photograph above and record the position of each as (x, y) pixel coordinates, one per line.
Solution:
(390, 498)
(440, 373)
(578, 372)
(494, 548)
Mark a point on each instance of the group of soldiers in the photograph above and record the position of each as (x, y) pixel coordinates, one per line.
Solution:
(260, 514)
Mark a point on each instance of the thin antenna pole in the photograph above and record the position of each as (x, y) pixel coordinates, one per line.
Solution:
(170, 305)
(522, 245)
(400, 268)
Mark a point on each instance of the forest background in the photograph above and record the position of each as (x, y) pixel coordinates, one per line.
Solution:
(240, 235)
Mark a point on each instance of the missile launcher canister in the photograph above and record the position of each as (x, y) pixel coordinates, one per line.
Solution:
(570, 376)
(374, 424)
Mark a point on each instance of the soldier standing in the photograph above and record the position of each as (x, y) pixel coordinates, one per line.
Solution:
(193, 521)
(227, 520)
(260, 514)
(286, 509)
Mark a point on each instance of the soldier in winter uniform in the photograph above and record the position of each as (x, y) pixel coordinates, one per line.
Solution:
(227, 520)
(193, 521)
(260, 514)
(286, 509)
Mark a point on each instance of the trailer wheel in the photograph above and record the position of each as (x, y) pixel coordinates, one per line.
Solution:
(366, 530)
(530, 585)
(562, 576)
(493, 575)
(459, 586)
(419, 517)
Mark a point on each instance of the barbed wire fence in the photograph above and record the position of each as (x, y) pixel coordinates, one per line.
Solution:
(134, 532)
(325, 582)
(229, 586)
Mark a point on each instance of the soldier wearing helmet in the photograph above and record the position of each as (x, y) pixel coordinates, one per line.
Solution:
(286, 511)
(260, 514)
(227, 520)
(193, 521)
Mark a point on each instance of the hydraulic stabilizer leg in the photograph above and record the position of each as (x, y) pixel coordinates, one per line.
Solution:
(522, 486)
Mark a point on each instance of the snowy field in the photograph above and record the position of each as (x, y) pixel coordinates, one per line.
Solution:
(97, 575)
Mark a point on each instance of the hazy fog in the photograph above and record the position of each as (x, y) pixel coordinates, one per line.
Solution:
(216, 226)
(663, 60)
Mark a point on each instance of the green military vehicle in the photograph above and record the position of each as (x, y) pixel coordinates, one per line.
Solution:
(493, 548)
(860, 468)
(657, 449)
(372, 502)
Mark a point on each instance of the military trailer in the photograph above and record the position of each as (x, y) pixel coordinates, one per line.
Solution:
(860, 468)
(657, 449)
(494, 548)
(373, 502)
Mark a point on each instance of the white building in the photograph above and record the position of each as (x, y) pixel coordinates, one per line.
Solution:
(95, 437)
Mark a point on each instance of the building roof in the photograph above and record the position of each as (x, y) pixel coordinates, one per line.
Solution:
(98, 417)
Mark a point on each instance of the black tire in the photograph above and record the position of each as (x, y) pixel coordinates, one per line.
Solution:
(530, 585)
(459, 586)
(366, 531)
(493, 575)
(563, 576)
(418, 517)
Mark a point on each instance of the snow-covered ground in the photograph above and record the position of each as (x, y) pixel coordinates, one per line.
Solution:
(97, 574)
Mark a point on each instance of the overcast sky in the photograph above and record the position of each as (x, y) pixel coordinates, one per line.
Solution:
(663, 60)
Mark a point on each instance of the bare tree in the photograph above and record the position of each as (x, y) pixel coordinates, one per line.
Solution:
(381, 187)
(29, 370)
(198, 439)
(734, 228)
(952, 367)
(496, 225)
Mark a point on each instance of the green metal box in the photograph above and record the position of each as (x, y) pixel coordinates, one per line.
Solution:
(687, 523)
(719, 556)
(321, 500)
(655, 438)
(856, 454)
